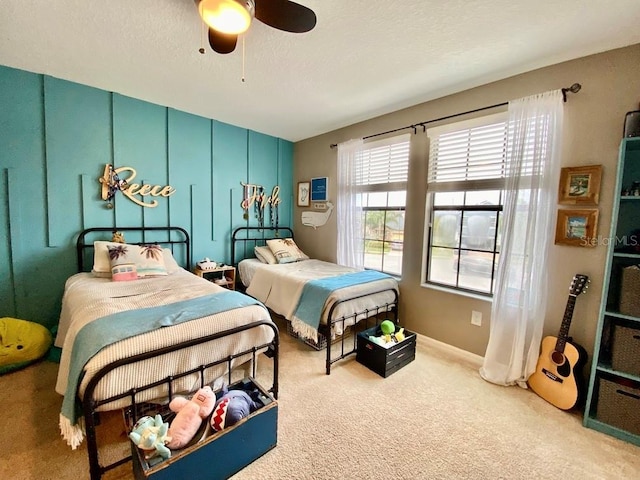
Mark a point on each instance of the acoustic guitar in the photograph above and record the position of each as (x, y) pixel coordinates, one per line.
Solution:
(558, 376)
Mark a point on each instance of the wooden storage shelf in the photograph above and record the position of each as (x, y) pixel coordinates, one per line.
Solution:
(607, 368)
(606, 410)
(223, 276)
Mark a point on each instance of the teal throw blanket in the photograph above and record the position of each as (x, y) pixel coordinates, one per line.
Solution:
(315, 293)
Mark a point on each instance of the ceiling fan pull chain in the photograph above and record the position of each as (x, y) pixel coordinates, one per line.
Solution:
(243, 59)
(203, 31)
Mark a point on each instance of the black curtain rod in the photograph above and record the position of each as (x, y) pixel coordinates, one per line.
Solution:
(575, 88)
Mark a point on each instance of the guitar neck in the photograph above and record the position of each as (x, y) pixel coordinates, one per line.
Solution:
(563, 335)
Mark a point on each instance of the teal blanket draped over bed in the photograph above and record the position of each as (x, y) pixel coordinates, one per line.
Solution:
(316, 292)
(118, 326)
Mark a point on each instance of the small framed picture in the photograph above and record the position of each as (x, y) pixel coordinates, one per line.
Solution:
(580, 185)
(303, 194)
(319, 189)
(577, 227)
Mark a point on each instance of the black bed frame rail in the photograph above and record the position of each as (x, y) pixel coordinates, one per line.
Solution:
(81, 244)
(89, 405)
(389, 309)
(251, 237)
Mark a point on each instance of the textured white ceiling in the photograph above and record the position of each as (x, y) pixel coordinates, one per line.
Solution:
(364, 58)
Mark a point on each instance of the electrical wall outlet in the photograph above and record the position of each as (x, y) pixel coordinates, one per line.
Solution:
(476, 318)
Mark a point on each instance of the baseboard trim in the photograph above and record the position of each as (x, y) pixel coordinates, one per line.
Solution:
(432, 342)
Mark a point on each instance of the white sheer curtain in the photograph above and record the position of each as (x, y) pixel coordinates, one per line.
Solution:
(519, 301)
(348, 207)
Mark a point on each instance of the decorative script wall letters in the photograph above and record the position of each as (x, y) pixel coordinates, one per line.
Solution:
(112, 182)
(254, 195)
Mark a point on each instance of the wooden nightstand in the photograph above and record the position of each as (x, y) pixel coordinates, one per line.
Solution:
(223, 276)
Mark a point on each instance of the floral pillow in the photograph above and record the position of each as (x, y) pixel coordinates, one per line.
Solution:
(265, 255)
(285, 250)
(147, 259)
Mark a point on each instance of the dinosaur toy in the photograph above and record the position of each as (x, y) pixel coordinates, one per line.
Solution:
(150, 434)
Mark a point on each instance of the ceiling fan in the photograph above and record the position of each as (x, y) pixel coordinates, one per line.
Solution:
(227, 19)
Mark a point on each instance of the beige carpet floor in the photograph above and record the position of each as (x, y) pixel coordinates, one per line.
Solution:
(434, 419)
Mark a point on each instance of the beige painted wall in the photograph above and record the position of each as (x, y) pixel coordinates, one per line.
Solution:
(592, 132)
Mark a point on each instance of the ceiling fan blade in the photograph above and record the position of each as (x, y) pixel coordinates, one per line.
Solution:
(222, 42)
(285, 15)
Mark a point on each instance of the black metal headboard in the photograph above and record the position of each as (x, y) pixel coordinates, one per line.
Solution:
(245, 239)
(175, 238)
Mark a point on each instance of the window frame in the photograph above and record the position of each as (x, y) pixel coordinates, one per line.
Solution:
(463, 186)
(387, 188)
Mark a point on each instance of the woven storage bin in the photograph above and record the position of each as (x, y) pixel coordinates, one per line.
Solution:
(619, 406)
(625, 350)
(630, 291)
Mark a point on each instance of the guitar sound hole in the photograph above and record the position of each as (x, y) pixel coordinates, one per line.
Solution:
(557, 357)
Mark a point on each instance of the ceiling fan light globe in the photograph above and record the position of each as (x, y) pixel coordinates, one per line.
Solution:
(227, 16)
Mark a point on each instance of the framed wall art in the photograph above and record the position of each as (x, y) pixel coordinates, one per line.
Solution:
(319, 189)
(577, 227)
(580, 185)
(303, 194)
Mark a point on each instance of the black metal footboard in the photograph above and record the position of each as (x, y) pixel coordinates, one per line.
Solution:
(90, 405)
(372, 314)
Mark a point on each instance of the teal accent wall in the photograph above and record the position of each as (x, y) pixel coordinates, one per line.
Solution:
(55, 139)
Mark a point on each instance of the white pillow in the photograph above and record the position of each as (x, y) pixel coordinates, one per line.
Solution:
(285, 250)
(169, 262)
(101, 262)
(265, 255)
(101, 274)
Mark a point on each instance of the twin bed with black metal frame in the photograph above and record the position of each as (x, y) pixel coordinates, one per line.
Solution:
(371, 301)
(151, 367)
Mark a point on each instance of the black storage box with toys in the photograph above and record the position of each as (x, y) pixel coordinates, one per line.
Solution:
(218, 455)
(385, 360)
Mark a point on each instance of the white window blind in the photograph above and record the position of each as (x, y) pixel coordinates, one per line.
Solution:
(384, 162)
(468, 155)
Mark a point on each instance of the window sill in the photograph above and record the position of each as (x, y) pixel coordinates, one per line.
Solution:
(454, 291)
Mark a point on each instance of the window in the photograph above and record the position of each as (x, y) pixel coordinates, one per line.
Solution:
(465, 197)
(381, 179)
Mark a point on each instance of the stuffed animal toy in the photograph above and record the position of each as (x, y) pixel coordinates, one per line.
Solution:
(150, 434)
(388, 328)
(233, 406)
(118, 237)
(189, 416)
(21, 343)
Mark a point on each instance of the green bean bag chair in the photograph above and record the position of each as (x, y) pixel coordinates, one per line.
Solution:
(21, 343)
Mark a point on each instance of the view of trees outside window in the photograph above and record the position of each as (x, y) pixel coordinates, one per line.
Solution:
(383, 221)
(381, 180)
